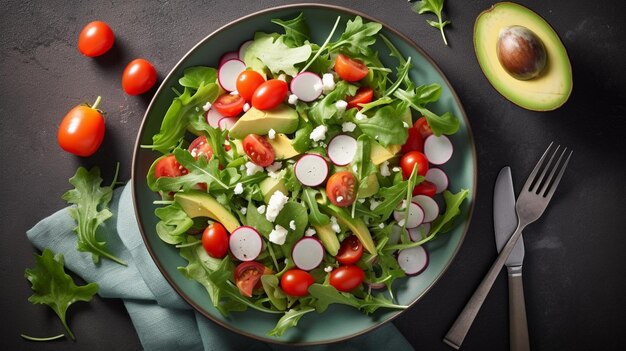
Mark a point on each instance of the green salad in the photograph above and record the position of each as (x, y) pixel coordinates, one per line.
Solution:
(296, 174)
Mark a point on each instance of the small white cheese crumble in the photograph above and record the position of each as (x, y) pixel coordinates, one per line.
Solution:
(318, 87)
(334, 225)
(292, 99)
(374, 204)
(339, 198)
(328, 269)
(319, 133)
(309, 232)
(242, 167)
(252, 169)
(274, 167)
(405, 125)
(361, 200)
(355, 169)
(328, 82)
(246, 107)
(244, 210)
(278, 235)
(381, 225)
(207, 106)
(271, 133)
(275, 205)
(292, 224)
(348, 127)
(261, 209)
(341, 105)
(238, 189)
(401, 222)
(359, 116)
(234, 92)
(197, 109)
(384, 169)
(396, 169)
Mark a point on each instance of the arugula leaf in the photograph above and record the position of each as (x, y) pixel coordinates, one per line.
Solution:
(403, 73)
(435, 7)
(296, 30)
(325, 109)
(276, 55)
(357, 37)
(258, 221)
(293, 211)
(199, 171)
(273, 291)
(289, 319)
(393, 195)
(327, 294)
(215, 137)
(417, 98)
(372, 303)
(385, 126)
(302, 141)
(197, 76)
(90, 210)
(53, 287)
(315, 216)
(198, 268)
(173, 223)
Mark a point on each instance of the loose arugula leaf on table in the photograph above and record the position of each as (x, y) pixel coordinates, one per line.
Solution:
(435, 7)
(90, 210)
(385, 126)
(315, 216)
(275, 54)
(290, 319)
(296, 30)
(420, 96)
(173, 224)
(53, 287)
(197, 76)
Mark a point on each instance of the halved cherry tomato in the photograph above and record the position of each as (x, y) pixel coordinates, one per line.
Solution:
(350, 70)
(82, 130)
(363, 96)
(248, 276)
(247, 83)
(296, 282)
(139, 76)
(229, 105)
(414, 142)
(350, 251)
(215, 240)
(200, 147)
(269, 94)
(259, 150)
(422, 127)
(340, 188)
(95, 39)
(346, 278)
(425, 188)
(411, 160)
(169, 167)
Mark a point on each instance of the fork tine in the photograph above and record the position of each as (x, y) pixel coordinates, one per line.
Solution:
(538, 183)
(532, 175)
(549, 194)
(545, 186)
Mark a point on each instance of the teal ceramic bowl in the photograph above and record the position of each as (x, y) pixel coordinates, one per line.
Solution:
(338, 322)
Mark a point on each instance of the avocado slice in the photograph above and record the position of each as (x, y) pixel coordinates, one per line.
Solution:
(269, 186)
(552, 87)
(200, 204)
(356, 225)
(328, 237)
(371, 186)
(380, 154)
(282, 147)
(283, 119)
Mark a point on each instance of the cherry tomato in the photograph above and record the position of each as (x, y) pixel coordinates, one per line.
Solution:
(425, 188)
(215, 240)
(169, 167)
(259, 150)
(269, 94)
(340, 188)
(139, 76)
(411, 160)
(82, 130)
(350, 251)
(346, 278)
(363, 96)
(229, 105)
(247, 83)
(95, 39)
(200, 147)
(422, 127)
(414, 142)
(350, 70)
(248, 276)
(296, 282)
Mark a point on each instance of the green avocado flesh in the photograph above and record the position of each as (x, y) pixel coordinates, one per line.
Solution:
(552, 87)
(200, 204)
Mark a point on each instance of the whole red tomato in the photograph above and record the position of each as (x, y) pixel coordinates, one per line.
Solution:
(139, 76)
(95, 39)
(82, 130)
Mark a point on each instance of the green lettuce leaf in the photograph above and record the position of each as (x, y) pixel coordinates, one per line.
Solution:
(173, 224)
(276, 55)
(197, 76)
(385, 126)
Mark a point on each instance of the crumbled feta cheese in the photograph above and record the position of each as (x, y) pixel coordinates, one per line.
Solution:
(197, 109)
(292, 99)
(251, 168)
(328, 269)
(244, 210)
(384, 169)
(374, 204)
(339, 198)
(341, 105)
(286, 261)
(238, 189)
(355, 169)
(405, 125)
(396, 169)
(401, 222)
(273, 175)
(328, 82)
(361, 200)
(246, 107)
(242, 167)
(381, 225)
(261, 209)
(271, 133)
(292, 224)
(323, 144)
(207, 106)
(274, 167)
(234, 92)
(318, 87)
(348, 127)
(278, 235)
(402, 205)
(309, 232)
(334, 225)
(319, 133)
(359, 116)
(276, 204)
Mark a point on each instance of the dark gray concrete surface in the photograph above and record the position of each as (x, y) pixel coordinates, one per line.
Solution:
(574, 274)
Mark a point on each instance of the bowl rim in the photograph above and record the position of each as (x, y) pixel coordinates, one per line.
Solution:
(135, 179)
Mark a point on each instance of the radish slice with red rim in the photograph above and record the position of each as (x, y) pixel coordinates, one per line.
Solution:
(245, 243)
(438, 149)
(413, 261)
(342, 149)
(243, 47)
(306, 86)
(429, 205)
(227, 122)
(228, 56)
(376, 286)
(420, 232)
(438, 177)
(415, 218)
(307, 253)
(213, 117)
(228, 73)
(311, 170)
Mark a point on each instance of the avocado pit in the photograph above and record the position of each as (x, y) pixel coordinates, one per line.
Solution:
(520, 52)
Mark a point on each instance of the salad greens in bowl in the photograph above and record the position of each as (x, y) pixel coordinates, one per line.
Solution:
(303, 183)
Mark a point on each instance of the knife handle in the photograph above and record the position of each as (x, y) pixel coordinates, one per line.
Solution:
(518, 326)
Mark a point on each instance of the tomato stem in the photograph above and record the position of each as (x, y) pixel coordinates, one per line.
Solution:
(96, 103)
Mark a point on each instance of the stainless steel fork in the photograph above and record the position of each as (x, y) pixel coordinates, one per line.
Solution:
(531, 203)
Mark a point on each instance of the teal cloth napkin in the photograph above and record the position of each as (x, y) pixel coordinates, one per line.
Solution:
(163, 320)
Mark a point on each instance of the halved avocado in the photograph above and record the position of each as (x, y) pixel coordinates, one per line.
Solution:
(200, 204)
(552, 87)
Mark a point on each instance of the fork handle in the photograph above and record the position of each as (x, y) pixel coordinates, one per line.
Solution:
(463, 322)
(518, 326)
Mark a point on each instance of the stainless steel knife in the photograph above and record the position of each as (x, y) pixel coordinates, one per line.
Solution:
(505, 223)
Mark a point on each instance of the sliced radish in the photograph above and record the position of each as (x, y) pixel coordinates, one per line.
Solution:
(213, 117)
(376, 286)
(341, 149)
(228, 73)
(413, 261)
(245, 243)
(438, 149)
(227, 122)
(416, 215)
(429, 205)
(307, 253)
(228, 56)
(306, 86)
(418, 233)
(311, 170)
(243, 47)
(438, 177)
